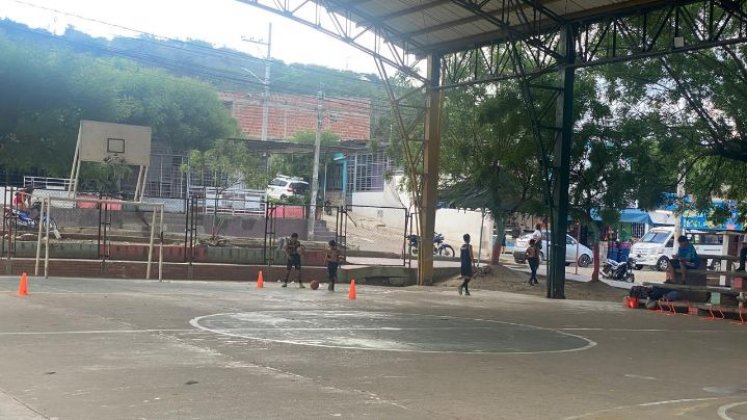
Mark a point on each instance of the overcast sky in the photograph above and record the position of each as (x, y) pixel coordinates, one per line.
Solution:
(220, 22)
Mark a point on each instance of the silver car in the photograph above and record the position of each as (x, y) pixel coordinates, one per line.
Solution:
(572, 247)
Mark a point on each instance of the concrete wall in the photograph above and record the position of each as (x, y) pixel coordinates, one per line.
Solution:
(248, 226)
(451, 223)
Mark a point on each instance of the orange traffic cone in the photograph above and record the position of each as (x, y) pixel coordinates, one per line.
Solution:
(260, 280)
(351, 293)
(23, 287)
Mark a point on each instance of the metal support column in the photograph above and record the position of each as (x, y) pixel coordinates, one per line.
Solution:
(431, 153)
(561, 169)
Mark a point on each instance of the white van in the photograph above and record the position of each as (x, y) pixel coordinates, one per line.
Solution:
(657, 246)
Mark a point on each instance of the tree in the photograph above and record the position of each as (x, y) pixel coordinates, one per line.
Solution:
(302, 164)
(47, 91)
(232, 164)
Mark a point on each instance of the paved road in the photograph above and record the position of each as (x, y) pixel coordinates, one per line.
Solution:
(129, 349)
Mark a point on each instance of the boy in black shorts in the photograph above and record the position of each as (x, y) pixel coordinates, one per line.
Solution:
(333, 262)
(293, 249)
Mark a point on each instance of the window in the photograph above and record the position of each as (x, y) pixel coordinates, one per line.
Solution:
(655, 237)
(366, 172)
(277, 182)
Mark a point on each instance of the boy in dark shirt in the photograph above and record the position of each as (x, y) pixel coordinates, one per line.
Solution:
(293, 249)
(333, 262)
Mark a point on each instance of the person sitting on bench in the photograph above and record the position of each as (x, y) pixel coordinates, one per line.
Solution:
(685, 260)
(743, 253)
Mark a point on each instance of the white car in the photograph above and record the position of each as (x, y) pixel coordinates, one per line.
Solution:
(283, 188)
(658, 245)
(571, 248)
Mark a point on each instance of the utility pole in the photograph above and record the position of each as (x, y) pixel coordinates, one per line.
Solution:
(266, 84)
(315, 173)
(678, 231)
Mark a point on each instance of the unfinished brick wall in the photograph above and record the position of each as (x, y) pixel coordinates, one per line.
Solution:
(349, 118)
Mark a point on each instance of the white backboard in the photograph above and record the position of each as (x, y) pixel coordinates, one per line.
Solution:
(101, 140)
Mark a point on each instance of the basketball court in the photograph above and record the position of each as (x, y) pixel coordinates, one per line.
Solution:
(135, 349)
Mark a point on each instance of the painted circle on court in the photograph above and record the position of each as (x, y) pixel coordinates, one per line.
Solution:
(391, 332)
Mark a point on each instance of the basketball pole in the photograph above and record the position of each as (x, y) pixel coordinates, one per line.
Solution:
(142, 187)
(150, 247)
(76, 164)
(139, 180)
(46, 246)
(39, 238)
(160, 248)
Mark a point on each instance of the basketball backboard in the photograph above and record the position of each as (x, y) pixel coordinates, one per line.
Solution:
(100, 141)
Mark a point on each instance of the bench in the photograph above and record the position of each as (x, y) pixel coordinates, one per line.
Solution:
(713, 305)
(729, 259)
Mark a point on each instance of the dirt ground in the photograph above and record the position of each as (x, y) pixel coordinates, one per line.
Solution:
(504, 279)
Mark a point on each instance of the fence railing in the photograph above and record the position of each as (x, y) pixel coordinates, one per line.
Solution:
(46, 183)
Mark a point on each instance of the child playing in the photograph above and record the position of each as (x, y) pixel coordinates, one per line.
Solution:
(333, 262)
(293, 249)
(533, 259)
(467, 258)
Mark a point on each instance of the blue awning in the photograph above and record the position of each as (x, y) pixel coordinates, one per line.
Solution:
(627, 216)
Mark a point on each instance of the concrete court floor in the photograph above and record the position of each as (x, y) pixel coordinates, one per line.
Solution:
(131, 349)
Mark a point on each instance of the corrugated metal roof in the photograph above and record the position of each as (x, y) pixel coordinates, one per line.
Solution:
(423, 26)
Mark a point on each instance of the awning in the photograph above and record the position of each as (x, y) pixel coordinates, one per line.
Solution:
(627, 216)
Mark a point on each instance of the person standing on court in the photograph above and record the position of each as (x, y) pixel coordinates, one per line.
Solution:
(537, 236)
(532, 254)
(293, 250)
(467, 259)
(333, 262)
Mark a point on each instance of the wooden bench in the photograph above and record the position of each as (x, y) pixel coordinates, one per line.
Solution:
(714, 305)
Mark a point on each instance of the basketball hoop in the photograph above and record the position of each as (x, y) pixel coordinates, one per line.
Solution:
(114, 160)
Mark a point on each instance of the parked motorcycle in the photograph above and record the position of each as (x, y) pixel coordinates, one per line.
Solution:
(439, 247)
(621, 271)
(29, 219)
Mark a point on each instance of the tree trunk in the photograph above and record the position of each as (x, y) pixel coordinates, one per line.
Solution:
(595, 272)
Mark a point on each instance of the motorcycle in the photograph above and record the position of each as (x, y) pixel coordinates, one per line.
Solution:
(439, 247)
(29, 219)
(621, 271)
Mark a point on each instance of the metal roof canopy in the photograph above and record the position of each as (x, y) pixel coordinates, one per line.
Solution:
(444, 26)
(285, 147)
(476, 41)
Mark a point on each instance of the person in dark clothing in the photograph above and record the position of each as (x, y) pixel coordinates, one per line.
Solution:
(532, 254)
(467, 258)
(293, 249)
(743, 253)
(333, 262)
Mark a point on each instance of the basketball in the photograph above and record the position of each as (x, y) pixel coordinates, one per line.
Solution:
(314, 284)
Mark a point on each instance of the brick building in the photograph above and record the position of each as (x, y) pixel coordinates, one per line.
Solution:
(349, 118)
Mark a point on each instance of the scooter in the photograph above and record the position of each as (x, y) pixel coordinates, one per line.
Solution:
(29, 219)
(439, 247)
(621, 271)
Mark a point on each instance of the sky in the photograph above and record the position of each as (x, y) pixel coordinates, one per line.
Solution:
(223, 23)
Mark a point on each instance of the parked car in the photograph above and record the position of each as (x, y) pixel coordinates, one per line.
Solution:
(571, 247)
(283, 188)
(657, 246)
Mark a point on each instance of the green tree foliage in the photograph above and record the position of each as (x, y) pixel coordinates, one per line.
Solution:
(691, 107)
(47, 90)
(302, 164)
(229, 157)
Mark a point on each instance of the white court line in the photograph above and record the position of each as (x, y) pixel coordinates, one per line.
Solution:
(724, 409)
(95, 332)
(195, 322)
(651, 330)
(649, 404)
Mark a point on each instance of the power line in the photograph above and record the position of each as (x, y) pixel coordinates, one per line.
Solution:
(211, 50)
(205, 73)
